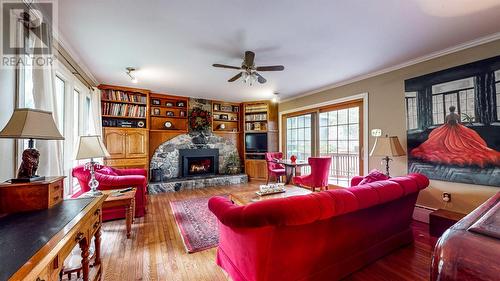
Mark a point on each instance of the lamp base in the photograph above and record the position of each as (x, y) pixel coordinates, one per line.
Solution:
(30, 179)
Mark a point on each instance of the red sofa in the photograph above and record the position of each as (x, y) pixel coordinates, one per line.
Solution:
(321, 236)
(111, 178)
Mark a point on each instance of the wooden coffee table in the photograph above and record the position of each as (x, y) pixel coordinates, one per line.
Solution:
(125, 200)
(248, 196)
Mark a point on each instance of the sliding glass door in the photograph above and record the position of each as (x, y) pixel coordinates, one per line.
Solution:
(340, 137)
(334, 131)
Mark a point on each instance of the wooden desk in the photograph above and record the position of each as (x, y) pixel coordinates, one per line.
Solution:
(34, 245)
(290, 167)
(249, 196)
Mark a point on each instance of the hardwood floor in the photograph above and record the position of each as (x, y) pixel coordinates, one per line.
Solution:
(156, 252)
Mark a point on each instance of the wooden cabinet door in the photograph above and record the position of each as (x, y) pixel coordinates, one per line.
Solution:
(136, 143)
(114, 139)
(256, 169)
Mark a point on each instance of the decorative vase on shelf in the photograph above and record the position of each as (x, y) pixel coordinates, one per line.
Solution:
(293, 158)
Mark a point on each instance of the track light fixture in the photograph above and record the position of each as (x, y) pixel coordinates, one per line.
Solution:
(130, 73)
(276, 98)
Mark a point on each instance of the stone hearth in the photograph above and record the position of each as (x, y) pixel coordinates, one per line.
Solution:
(193, 183)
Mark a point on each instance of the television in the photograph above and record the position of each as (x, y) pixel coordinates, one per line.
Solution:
(256, 142)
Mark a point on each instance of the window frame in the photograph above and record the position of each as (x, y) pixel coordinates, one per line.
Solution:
(360, 102)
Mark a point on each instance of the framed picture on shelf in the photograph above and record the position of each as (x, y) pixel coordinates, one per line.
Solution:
(226, 108)
(224, 117)
(156, 102)
(168, 103)
(156, 111)
(216, 116)
(236, 108)
(181, 104)
(183, 113)
(234, 118)
(216, 106)
(170, 114)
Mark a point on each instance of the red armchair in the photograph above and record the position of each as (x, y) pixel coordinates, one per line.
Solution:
(273, 169)
(110, 178)
(320, 169)
(351, 227)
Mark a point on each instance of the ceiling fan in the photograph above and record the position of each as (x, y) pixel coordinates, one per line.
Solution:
(249, 70)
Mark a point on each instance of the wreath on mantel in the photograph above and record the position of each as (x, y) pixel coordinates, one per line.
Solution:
(199, 119)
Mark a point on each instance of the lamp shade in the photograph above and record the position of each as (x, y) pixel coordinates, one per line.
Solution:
(90, 147)
(28, 123)
(387, 146)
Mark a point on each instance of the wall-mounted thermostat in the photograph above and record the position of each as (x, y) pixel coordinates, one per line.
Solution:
(376, 132)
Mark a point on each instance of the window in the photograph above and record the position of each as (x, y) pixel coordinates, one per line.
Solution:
(298, 140)
(497, 87)
(334, 131)
(60, 90)
(411, 110)
(458, 93)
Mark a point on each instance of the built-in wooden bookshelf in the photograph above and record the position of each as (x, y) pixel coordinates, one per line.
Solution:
(168, 113)
(260, 117)
(124, 107)
(226, 117)
(125, 120)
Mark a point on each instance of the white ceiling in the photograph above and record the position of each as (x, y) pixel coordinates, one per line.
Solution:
(320, 42)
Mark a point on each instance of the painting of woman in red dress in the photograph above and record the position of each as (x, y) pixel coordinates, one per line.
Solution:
(454, 144)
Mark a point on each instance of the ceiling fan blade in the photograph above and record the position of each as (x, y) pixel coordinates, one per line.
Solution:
(270, 68)
(225, 66)
(261, 79)
(249, 58)
(235, 77)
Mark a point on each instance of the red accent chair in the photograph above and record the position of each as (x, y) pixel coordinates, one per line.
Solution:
(111, 178)
(273, 169)
(350, 228)
(320, 169)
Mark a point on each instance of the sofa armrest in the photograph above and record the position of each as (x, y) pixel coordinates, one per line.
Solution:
(356, 180)
(120, 181)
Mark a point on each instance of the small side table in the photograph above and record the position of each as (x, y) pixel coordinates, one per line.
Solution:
(440, 220)
(125, 200)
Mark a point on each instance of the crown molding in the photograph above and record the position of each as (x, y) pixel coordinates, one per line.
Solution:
(437, 54)
(61, 41)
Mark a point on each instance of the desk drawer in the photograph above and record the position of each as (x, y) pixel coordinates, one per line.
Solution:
(55, 193)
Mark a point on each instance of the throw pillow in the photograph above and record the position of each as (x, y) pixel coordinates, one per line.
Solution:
(373, 176)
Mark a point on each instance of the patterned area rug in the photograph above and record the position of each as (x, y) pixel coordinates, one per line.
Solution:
(197, 225)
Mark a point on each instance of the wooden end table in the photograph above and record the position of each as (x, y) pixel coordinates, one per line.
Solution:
(125, 200)
(249, 196)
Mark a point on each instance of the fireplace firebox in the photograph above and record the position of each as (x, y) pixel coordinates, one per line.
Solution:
(198, 162)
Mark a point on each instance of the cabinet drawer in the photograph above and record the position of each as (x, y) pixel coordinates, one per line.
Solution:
(55, 193)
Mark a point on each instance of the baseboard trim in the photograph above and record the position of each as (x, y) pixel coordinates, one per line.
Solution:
(421, 213)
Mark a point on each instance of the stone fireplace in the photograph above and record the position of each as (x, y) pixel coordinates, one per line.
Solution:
(198, 162)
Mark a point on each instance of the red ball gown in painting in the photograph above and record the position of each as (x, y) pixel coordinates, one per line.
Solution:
(455, 144)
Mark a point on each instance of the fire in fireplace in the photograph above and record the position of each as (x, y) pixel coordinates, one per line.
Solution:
(198, 162)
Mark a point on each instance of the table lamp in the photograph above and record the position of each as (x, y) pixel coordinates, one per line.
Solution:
(90, 147)
(27, 123)
(387, 147)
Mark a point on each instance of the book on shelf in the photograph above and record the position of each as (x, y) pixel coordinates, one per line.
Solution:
(123, 110)
(256, 117)
(115, 95)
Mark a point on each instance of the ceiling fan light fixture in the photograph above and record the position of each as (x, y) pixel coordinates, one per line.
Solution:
(130, 73)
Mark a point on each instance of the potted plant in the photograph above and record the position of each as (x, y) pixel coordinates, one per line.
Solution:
(233, 164)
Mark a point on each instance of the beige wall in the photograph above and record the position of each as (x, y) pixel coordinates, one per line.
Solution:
(7, 94)
(386, 109)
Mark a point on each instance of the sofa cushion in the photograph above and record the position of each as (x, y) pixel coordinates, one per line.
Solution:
(373, 176)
